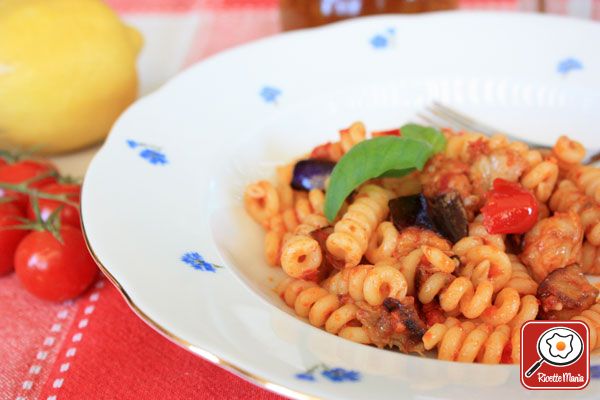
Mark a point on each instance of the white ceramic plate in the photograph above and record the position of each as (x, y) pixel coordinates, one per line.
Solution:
(162, 200)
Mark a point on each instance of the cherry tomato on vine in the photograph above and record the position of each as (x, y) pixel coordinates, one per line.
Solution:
(52, 270)
(22, 171)
(9, 238)
(69, 215)
(509, 208)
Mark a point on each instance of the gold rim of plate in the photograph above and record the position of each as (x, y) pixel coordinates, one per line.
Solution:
(205, 354)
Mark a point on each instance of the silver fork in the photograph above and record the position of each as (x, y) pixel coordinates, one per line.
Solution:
(442, 116)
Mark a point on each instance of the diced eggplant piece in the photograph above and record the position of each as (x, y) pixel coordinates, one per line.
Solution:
(407, 316)
(395, 323)
(411, 211)
(444, 214)
(566, 292)
(449, 216)
(514, 243)
(311, 174)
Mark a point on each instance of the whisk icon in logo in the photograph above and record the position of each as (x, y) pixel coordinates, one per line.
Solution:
(554, 355)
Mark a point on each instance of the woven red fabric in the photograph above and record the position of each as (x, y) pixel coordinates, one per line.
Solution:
(97, 348)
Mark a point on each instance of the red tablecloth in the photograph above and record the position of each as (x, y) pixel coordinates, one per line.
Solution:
(95, 347)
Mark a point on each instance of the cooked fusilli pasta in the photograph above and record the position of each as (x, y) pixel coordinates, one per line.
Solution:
(591, 317)
(355, 134)
(468, 342)
(520, 279)
(370, 283)
(413, 238)
(323, 309)
(528, 311)
(411, 282)
(476, 228)
(590, 259)
(405, 186)
(383, 243)
(261, 201)
(354, 230)
(483, 262)
(472, 299)
(459, 145)
(587, 179)
(568, 197)
(300, 215)
(541, 176)
(301, 257)
(569, 153)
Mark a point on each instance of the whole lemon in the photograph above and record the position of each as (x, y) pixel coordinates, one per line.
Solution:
(67, 70)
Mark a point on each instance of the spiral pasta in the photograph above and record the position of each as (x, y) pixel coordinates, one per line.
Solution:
(590, 259)
(468, 342)
(486, 271)
(459, 144)
(541, 176)
(300, 254)
(528, 310)
(520, 279)
(591, 317)
(323, 309)
(569, 153)
(363, 278)
(476, 228)
(355, 134)
(369, 283)
(505, 308)
(349, 137)
(353, 231)
(568, 197)
(297, 213)
(587, 179)
(473, 300)
(483, 262)
(261, 201)
(383, 243)
(273, 243)
(405, 186)
(413, 238)
(301, 257)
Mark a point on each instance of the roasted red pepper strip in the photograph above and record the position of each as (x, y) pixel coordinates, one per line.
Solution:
(509, 208)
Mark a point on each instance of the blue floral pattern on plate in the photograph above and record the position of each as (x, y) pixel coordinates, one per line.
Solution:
(196, 261)
(270, 94)
(595, 371)
(336, 375)
(569, 64)
(383, 40)
(150, 153)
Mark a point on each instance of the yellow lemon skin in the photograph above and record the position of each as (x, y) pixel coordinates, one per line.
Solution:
(67, 70)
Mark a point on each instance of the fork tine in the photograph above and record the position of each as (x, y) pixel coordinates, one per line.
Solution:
(430, 121)
(442, 115)
(437, 121)
(477, 126)
(464, 120)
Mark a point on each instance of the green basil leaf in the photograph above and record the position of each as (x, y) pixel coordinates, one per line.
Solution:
(396, 173)
(371, 159)
(425, 133)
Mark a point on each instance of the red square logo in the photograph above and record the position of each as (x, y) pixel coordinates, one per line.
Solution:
(555, 355)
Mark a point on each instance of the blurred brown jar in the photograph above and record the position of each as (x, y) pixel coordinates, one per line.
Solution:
(297, 14)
